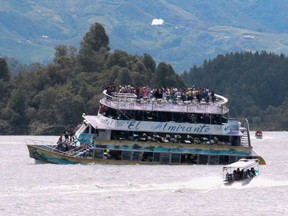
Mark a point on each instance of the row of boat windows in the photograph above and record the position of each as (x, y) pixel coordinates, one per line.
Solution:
(169, 137)
(175, 138)
(158, 116)
(165, 158)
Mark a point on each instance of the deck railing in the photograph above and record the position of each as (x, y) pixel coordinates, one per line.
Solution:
(129, 101)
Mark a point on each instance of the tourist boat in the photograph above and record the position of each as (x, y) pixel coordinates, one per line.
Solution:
(259, 134)
(153, 126)
(242, 171)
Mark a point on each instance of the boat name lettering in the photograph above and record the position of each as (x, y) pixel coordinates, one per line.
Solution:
(134, 125)
(172, 127)
(106, 122)
(180, 128)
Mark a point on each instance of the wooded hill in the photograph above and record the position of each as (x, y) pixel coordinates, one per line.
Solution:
(254, 83)
(48, 99)
(192, 30)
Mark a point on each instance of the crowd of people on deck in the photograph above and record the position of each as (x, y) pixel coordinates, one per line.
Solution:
(165, 93)
(169, 94)
(66, 139)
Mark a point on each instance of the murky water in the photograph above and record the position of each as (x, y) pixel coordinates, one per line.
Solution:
(27, 188)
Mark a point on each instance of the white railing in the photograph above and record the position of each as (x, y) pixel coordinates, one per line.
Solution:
(130, 102)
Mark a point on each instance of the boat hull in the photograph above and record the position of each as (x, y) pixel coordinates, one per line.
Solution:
(46, 154)
(241, 182)
(259, 135)
(49, 154)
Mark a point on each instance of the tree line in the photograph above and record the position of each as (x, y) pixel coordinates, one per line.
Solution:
(47, 99)
(255, 84)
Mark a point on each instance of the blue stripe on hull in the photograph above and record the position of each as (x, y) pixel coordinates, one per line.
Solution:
(178, 150)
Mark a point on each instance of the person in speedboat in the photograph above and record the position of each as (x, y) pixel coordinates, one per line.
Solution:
(252, 171)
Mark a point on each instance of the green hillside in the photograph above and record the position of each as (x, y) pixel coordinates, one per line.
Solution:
(192, 31)
(46, 99)
(254, 83)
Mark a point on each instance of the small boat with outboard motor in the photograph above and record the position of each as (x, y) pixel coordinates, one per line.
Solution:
(242, 171)
(259, 134)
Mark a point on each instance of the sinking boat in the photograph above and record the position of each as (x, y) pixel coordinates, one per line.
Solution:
(153, 126)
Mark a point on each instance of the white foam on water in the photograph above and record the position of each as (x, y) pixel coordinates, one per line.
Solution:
(206, 183)
(202, 184)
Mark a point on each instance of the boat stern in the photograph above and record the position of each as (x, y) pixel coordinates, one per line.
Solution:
(261, 160)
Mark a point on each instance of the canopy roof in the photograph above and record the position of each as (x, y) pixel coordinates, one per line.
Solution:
(92, 119)
(242, 163)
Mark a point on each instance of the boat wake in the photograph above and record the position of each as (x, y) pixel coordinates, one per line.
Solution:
(263, 182)
(207, 183)
(203, 184)
(258, 182)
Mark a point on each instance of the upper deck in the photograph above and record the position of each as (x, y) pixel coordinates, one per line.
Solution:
(129, 101)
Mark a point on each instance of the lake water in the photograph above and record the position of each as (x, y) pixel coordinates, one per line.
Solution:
(27, 188)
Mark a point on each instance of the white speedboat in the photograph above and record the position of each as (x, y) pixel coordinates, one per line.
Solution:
(242, 171)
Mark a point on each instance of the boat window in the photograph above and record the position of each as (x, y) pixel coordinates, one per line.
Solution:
(86, 130)
(175, 158)
(165, 157)
(137, 156)
(115, 154)
(156, 157)
(213, 159)
(224, 119)
(216, 119)
(120, 135)
(223, 159)
(188, 158)
(203, 159)
(232, 159)
(98, 153)
(94, 131)
(126, 155)
(235, 141)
